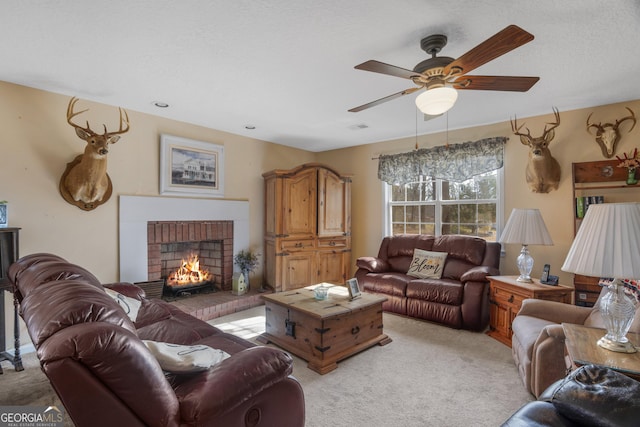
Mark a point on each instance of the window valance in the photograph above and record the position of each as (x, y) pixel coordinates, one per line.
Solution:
(457, 162)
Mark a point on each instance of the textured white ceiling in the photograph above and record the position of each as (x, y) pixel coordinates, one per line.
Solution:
(286, 67)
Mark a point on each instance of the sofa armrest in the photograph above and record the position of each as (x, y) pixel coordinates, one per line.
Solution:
(373, 264)
(479, 274)
(554, 311)
(127, 289)
(548, 360)
(232, 382)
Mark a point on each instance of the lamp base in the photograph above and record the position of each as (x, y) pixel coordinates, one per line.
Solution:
(618, 347)
(524, 279)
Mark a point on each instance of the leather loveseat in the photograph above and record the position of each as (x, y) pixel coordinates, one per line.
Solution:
(590, 396)
(459, 299)
(105, 375)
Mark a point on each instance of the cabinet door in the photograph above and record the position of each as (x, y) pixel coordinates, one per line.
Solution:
(334, 200)
(332, 267)
(299, 204)
(500, 318)
(297, 270)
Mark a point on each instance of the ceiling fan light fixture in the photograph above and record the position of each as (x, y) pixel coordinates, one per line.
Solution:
(436, 100)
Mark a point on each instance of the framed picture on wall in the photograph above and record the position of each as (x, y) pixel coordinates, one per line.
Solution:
(354, 289)
(190, 167)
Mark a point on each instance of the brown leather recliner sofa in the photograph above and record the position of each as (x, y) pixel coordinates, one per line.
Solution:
(459, 299)
(96, 361)
(538, 339)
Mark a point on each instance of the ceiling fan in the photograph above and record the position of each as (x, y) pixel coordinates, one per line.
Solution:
(441, 75)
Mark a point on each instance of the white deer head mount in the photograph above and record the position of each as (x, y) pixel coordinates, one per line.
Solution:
(85, 182)
(543, 170)
(608, 134)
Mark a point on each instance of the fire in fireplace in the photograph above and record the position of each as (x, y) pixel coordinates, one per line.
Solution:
(201, 252)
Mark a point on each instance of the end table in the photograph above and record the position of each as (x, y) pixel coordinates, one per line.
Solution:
(8, 255)
(582, 349)
(505, 299)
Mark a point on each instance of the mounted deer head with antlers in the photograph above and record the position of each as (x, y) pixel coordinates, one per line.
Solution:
(85, 182)
(543, 171)
(608, 134)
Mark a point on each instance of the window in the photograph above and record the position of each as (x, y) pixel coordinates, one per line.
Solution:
(434, 206)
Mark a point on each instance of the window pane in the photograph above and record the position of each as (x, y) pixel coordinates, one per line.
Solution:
(449, 213)
(450, 229)
(467, 190)
(429, 191)
(428, 213)
(397, 193)
(397, 214)
(487, 213)
(397, 228)
(413, 192)
(428, 229)
(468, 229)
(413, 214)
(412, 229)
(449, 191)
(487, 188)
(468, 213)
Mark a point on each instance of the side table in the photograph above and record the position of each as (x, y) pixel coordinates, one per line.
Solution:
(582, 349)
(505, 299)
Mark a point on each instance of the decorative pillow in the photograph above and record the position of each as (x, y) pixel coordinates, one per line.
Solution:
(131, 306)
(182, 359)
(427, 264)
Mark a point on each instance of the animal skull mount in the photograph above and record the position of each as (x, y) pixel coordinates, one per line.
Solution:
(85, 182)
(543, 170)
(608, 134)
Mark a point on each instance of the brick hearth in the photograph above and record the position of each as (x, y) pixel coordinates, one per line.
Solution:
(211, 306)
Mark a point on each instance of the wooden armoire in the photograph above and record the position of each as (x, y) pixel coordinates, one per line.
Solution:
(307, 227)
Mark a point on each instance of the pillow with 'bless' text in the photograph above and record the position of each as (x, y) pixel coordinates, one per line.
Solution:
(427, 264)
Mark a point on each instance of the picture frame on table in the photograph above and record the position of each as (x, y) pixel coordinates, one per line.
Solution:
(190, 167)
(354, 288)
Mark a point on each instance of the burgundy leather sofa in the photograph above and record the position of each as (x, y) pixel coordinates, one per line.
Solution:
(459, 299)
(95, 359)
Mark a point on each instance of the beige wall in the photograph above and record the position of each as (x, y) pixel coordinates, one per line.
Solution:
(36, 144)
(571, 144)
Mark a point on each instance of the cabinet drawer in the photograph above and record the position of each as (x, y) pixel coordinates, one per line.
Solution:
(296, 245)
(507, 297)
(335, 242)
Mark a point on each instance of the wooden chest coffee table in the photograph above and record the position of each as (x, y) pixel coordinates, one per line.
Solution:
(323, 332)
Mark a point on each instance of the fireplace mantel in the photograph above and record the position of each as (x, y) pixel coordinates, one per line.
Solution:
(136, 211)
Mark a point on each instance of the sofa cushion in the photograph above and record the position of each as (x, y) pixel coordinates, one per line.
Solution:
(442, 291)
(387, 283)
(468, 248)
(427, 264)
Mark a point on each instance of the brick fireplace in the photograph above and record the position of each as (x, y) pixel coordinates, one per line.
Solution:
(171, 242)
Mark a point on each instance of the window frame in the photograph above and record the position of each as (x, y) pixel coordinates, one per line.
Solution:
(386, 202)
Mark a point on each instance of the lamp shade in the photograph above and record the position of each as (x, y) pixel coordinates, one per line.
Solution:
(526, 227)
(437, 100)
(607, 243)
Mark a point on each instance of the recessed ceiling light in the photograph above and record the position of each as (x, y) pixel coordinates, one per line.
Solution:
(160, 104)
(250, 127)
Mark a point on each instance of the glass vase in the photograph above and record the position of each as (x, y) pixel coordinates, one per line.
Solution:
(631, 176)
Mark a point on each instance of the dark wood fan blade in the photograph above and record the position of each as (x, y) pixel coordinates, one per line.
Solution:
(382, 68)
(385, 99)
(506, 83)
(495, 46)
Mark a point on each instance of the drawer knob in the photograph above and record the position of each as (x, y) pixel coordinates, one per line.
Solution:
(511, 298)
(355, 330)
(299, 245)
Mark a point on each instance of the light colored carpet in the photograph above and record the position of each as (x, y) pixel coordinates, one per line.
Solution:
(430, 375)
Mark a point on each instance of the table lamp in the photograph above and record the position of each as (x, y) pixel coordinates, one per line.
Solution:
(525, 227)
(607, 245)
